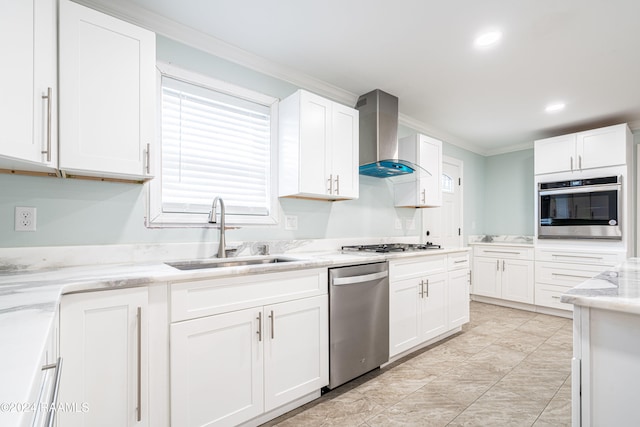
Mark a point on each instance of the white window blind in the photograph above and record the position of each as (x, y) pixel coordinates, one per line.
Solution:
(214, 144)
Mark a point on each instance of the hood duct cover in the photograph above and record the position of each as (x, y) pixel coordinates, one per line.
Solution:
(378, 112)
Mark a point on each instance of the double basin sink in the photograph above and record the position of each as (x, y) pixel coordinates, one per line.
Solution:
(226, 262)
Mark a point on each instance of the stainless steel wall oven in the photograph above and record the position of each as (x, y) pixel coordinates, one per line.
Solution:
(580, 209)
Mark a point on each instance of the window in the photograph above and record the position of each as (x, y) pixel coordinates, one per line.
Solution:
(216, 140)
(447, 183)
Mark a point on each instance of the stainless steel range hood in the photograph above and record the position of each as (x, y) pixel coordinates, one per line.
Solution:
(379, 136)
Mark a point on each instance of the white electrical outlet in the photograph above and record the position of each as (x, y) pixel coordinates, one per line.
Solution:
(291, 222)
(25, 219)
(410, 224)
(398, 224)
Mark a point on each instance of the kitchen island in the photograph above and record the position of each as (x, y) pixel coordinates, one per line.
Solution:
(606, 347)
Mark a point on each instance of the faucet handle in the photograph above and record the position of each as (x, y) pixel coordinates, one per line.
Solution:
(263, 249)
(230, 252)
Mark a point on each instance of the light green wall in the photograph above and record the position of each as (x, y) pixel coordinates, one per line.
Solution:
(509, 194)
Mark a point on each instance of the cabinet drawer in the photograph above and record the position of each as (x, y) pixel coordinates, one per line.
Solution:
(564, 274)
(193, 299)
(416, 267)
(603, 258)
(458, 261)
(496, 251)
(549, 296)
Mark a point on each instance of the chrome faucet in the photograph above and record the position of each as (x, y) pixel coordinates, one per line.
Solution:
(212, 220)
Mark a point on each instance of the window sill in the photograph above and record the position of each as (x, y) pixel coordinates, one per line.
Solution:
(202, 221)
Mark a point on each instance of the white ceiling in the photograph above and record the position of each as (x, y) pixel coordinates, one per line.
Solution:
(583, 52)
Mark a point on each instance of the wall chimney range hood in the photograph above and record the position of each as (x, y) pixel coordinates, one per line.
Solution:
(378, 112)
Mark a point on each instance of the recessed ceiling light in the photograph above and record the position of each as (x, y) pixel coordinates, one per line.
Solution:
(488, 38)
(555, 107)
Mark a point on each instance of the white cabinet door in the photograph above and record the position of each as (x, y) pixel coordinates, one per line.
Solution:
(103, 342)
(345, 151)
(217, 369)
(433, 306)
(458, 289)
(315, 152)
(296, 349)
(517, 280)
(107, 94)
(601, 147)
(425, 190)
(404, 315)
(486, 277)
(430, 159)
(28, 41)
(557, 154)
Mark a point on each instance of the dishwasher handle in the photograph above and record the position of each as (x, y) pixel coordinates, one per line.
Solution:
(339, 281)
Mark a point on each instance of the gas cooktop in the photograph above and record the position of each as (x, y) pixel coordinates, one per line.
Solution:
(392, 247)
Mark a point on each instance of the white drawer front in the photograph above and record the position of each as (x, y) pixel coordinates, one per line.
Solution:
(416, 267)
(458, 261)
(190, 300)
(549, 296)
(563, 274)
(496, 251)
(608, 259)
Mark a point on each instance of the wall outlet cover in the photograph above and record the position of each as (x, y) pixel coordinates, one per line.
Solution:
(25, 218)
(290, 222)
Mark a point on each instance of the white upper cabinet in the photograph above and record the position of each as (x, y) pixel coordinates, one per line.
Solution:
(107, 94)
(318, 148)
(426, 189)
(590, 149)
(28, 83)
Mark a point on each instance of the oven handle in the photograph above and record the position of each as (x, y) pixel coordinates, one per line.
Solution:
(339, 281)
(585, 189)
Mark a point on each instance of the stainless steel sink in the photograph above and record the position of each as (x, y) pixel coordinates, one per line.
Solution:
(219, 263)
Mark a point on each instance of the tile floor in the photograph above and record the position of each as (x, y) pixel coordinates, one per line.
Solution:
(506, 368)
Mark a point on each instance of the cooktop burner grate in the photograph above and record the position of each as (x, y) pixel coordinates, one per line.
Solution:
(392, 247)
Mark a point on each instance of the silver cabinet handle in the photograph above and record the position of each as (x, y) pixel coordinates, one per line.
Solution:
(577, 256)
(148, 157)
(571, 162)
(338, 184)
(459, 261)
(330, 180)
(48, 97)
(502, 265)
(421, 289)
(427, 288)
(555, 297)
(139, 394)
(502, 252)
(424, 195)
(271, 316)
(580, 162)
(53, 400)
(259, 326)
(497, 265)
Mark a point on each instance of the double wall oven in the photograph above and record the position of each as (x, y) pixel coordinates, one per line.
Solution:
(580, 208)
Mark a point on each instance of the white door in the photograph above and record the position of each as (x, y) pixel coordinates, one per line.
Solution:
(296, 350)
(217, 369)
(404, 315)
(486, 277)
(517, 280)
(344, 151)
(434, 304)
(107, 93)
(444, 224)
(101, 336)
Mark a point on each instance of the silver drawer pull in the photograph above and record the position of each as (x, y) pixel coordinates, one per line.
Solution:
(458, 262)
(578, 256)
(259, 318)
(53, 400)
(502, 252)
(272, 321)
(555, 297)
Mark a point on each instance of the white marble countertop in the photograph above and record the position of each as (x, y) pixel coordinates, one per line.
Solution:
(487, 239)
(617, 289)
(29, 301)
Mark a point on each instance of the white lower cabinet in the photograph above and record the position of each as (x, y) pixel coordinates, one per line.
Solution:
(426, 299)
(231, 367)
(504, 272)
(103, 343)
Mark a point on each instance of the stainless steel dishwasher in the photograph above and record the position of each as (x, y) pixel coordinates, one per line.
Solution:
(358, 320)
